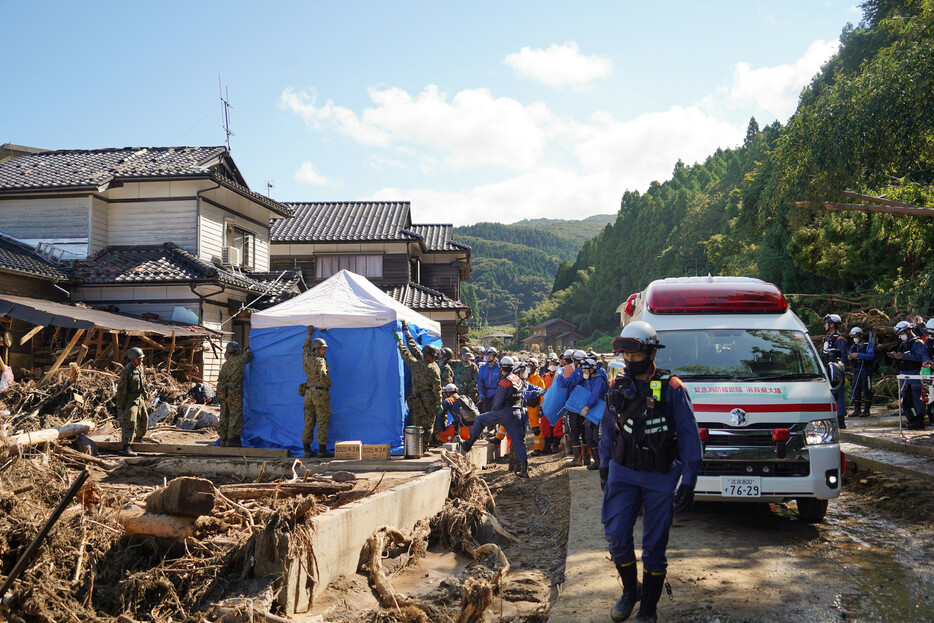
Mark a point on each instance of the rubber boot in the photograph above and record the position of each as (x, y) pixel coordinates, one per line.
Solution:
(595, 455)
(568, 447)
(551, 445)
(578, 459)
(631, 592)
(126, 450)
(513, 461)
(523, 470)
(309, 453)
(222, 443)
(587, 459)
(467, 445)
(323, 453)
(538, 452)
(652, 585)
(234, 442)
(856, 408)
(841, 422)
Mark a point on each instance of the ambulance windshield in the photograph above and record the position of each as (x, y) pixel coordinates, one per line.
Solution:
(738, 354)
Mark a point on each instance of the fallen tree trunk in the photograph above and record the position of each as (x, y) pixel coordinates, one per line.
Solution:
(187, 496)
(51, 434)
(141, 523)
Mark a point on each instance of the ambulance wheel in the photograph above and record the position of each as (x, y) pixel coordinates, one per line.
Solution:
(811, 510)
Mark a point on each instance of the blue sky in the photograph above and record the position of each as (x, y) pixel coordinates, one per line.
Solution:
(475, 111)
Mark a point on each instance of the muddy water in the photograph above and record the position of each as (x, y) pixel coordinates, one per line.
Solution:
(428, 572)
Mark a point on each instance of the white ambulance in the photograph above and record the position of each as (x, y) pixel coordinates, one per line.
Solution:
(761, 395)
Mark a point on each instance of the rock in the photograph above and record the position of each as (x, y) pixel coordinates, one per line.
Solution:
(162, 411)
(198, 416)
(343, 477)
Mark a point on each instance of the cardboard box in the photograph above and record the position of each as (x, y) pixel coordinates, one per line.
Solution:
(348, 450)
(376, 452)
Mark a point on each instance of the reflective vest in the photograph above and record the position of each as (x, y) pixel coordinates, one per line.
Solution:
(646, 437)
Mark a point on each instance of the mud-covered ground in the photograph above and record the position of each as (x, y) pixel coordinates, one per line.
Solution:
(872, 559)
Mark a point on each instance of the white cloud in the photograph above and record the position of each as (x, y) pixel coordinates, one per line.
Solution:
(471, 129)
(306, 174)
(559, 66)
(776, 89)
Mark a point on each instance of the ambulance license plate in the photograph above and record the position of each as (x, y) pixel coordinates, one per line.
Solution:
(740, 486)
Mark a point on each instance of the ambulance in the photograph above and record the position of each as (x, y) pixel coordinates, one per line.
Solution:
(761, 395)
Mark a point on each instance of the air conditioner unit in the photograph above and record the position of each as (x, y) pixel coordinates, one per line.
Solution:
(230, 256)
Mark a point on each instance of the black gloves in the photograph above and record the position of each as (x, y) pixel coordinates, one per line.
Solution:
(684, 498)
(604, 476)
(536, 430)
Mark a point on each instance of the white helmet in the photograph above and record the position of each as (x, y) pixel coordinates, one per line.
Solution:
(449, 388)
(552, 356)
(855, 331)
(579, 355)
(930, 326)
(568, 353)
(902, 326)
(491, 350)
(506, 364)
(636, 336)
(833, 318)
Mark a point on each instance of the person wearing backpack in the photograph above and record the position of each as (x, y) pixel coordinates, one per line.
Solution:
(462, 412)
(649, 441)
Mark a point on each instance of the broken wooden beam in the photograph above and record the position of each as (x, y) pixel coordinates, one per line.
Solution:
(140, 523)
(254, 491)
(186, 495)
(51, 434)
(32, 332)
(58, 362)
(193, 449)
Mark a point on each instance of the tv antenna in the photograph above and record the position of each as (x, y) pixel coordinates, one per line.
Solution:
(225, 100)
(269, 186)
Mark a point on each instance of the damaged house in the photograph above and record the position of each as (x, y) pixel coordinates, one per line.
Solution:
(167, 234)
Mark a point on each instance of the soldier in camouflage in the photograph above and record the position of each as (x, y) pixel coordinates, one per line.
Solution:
(425, 399)
(130, 401)
(317, 396)
(465, 374)
(230, 395)
(444, 364)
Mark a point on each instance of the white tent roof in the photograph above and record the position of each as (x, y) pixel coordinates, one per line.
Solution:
(343, 301)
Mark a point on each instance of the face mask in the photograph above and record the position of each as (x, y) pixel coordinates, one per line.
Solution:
(552, 367)
(903, 337)
(524, 375)
(586, 375)
(856, 340)
(637, 368)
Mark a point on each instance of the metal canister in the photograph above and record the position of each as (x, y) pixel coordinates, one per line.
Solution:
(414, 442)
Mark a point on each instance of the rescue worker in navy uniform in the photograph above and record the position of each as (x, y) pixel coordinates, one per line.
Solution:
(835, 348)
(862, 353)
(648, 441)
(507, 412)
(908, 356)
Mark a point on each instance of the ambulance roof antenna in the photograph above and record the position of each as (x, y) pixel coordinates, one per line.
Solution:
(225, 100)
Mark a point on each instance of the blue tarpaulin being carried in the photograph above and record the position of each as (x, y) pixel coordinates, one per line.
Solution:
(368, 377)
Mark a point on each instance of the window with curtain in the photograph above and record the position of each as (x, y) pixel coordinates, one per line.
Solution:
(370, 266)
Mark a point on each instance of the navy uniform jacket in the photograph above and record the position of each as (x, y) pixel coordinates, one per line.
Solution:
(689, 444)
(914, 353)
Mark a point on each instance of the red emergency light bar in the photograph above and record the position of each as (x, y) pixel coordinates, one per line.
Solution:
(742, 297)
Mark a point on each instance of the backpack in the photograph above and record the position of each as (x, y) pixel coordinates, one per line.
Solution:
(467, 410)
(202, 393)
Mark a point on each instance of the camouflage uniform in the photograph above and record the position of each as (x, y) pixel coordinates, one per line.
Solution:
(130, 401)
(425, 398)
(230, 395)
(317, 398)
(447, 374)
(465, 377)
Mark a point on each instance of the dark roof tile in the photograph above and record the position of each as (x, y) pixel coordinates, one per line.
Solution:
(344, 222)
(437, 237)
(18, 257)
(416, 296)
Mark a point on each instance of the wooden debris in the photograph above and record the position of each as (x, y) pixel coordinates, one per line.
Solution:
(140, 523)
(253, 491)
(51, 434)
(195, 449)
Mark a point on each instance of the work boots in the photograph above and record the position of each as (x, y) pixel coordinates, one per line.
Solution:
(595, 454)
(222, 442)
(568, 447)
(523, 470)
(631, 592)
(652, 584)
(467, 445)
(578, 455)
(513, 461)
(323, 453)
(856, 409)
(234, 442)
(585, 456)
(126, 450)
(309, 453)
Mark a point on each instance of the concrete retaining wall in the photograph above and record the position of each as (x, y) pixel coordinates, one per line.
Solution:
(339, 535)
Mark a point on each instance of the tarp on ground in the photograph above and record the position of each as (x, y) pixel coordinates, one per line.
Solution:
(368, 377)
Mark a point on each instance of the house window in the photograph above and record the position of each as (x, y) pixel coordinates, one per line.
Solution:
(367, 265)
(243, 241)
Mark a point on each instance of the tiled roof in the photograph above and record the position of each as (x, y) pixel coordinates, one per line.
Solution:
(92, 168)
(17, 257)
(344, 221)
(438, 237)
(416, 296)
(280, 290)
(165, 263)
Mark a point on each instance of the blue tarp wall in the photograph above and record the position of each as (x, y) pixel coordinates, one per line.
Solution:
(369, 383)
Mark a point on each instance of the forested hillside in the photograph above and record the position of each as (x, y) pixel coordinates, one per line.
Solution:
(864, 125)
(514, 265)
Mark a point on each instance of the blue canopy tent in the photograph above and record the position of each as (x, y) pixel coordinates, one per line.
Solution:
(368, 377)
